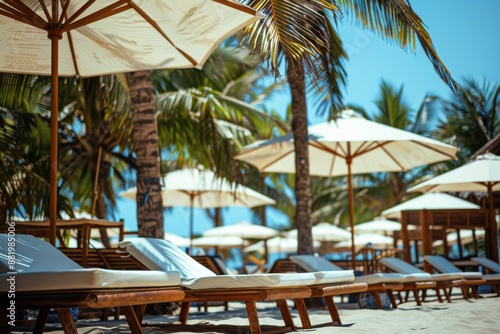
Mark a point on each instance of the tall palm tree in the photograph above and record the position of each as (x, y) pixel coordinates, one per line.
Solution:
(24, 147)
(207, 115)
(301, 37)
(472, 117)
(96, 130)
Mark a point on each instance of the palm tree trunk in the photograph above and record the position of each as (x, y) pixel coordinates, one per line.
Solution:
(145, 138)
(296, 79)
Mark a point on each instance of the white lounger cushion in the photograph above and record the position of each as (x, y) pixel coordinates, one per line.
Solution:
(33, 254)
(314, 263)
(444, 266)
(42, 267)
(93, 278)
(403, 267)
(163, 255)
(487, 263)
(160, 254)
(268, 280)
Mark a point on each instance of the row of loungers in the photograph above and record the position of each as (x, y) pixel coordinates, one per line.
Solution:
(47, 279)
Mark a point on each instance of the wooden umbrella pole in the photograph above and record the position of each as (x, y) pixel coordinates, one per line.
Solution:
(96, 179)
(351, 210)
(54, 95)
(191, 225)
(492, 231)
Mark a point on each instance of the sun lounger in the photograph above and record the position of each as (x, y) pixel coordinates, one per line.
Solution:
(377, 282)
(444, 282)
(490, 266)
(44, 278)
(201, 284)
(472, 278)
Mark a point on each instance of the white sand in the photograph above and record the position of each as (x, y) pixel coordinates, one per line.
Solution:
(474, 316)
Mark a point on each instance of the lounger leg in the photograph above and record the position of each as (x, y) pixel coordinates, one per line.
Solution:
(391, 298)
(376, 297)
(253, 318)
(66, 321)
(43, 313)
(446, 295)
(183, 315)
(334, 313)
(139, 312)
(304, 316)
(133, 321)
(417, 297)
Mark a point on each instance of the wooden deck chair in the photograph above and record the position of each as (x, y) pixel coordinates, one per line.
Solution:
(444, 282)
(217, 265)
(45, 278)
(201, 284)
(376, 282)
(489, 266)
(472, 278)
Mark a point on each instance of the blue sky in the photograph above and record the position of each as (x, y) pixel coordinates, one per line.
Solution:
(465, 34)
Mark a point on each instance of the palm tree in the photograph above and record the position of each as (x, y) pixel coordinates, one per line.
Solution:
(301, 36)
(207, 115)
(472, 117)
(96, 130)
(24, 147)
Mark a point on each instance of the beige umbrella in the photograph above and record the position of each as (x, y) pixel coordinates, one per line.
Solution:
(243, 230)
(219, 242)
(350, 145)
(325, 232)
(481, 174)
(196, 188)
(89, 38)
(379, 225)
(278, 245)
(430, 201)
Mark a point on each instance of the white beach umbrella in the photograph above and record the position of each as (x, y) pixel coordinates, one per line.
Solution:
(379, 225)
(325, 232)
(219, 242)
(277, 245)
(196, 188)
(243, 229)
(89, 38)
(481, 174)
(364, 239)
(349, 145)
(429, 201)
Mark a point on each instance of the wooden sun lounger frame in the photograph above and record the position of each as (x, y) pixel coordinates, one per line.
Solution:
(132, 302)
(251, 295)
(468, 286)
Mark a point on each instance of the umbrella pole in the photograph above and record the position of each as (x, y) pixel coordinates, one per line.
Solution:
(191, 223)
(492, 233)
(54, 95)
(351, 209)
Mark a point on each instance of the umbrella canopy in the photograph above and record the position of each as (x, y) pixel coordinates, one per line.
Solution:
(219, 242)
(278, 245)
(196, 188)
(243, 230)
(350, 145)
(379, 225)
(480, 174)
(88, 38)
(325, 232)
(364, 239)
(430, 201)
